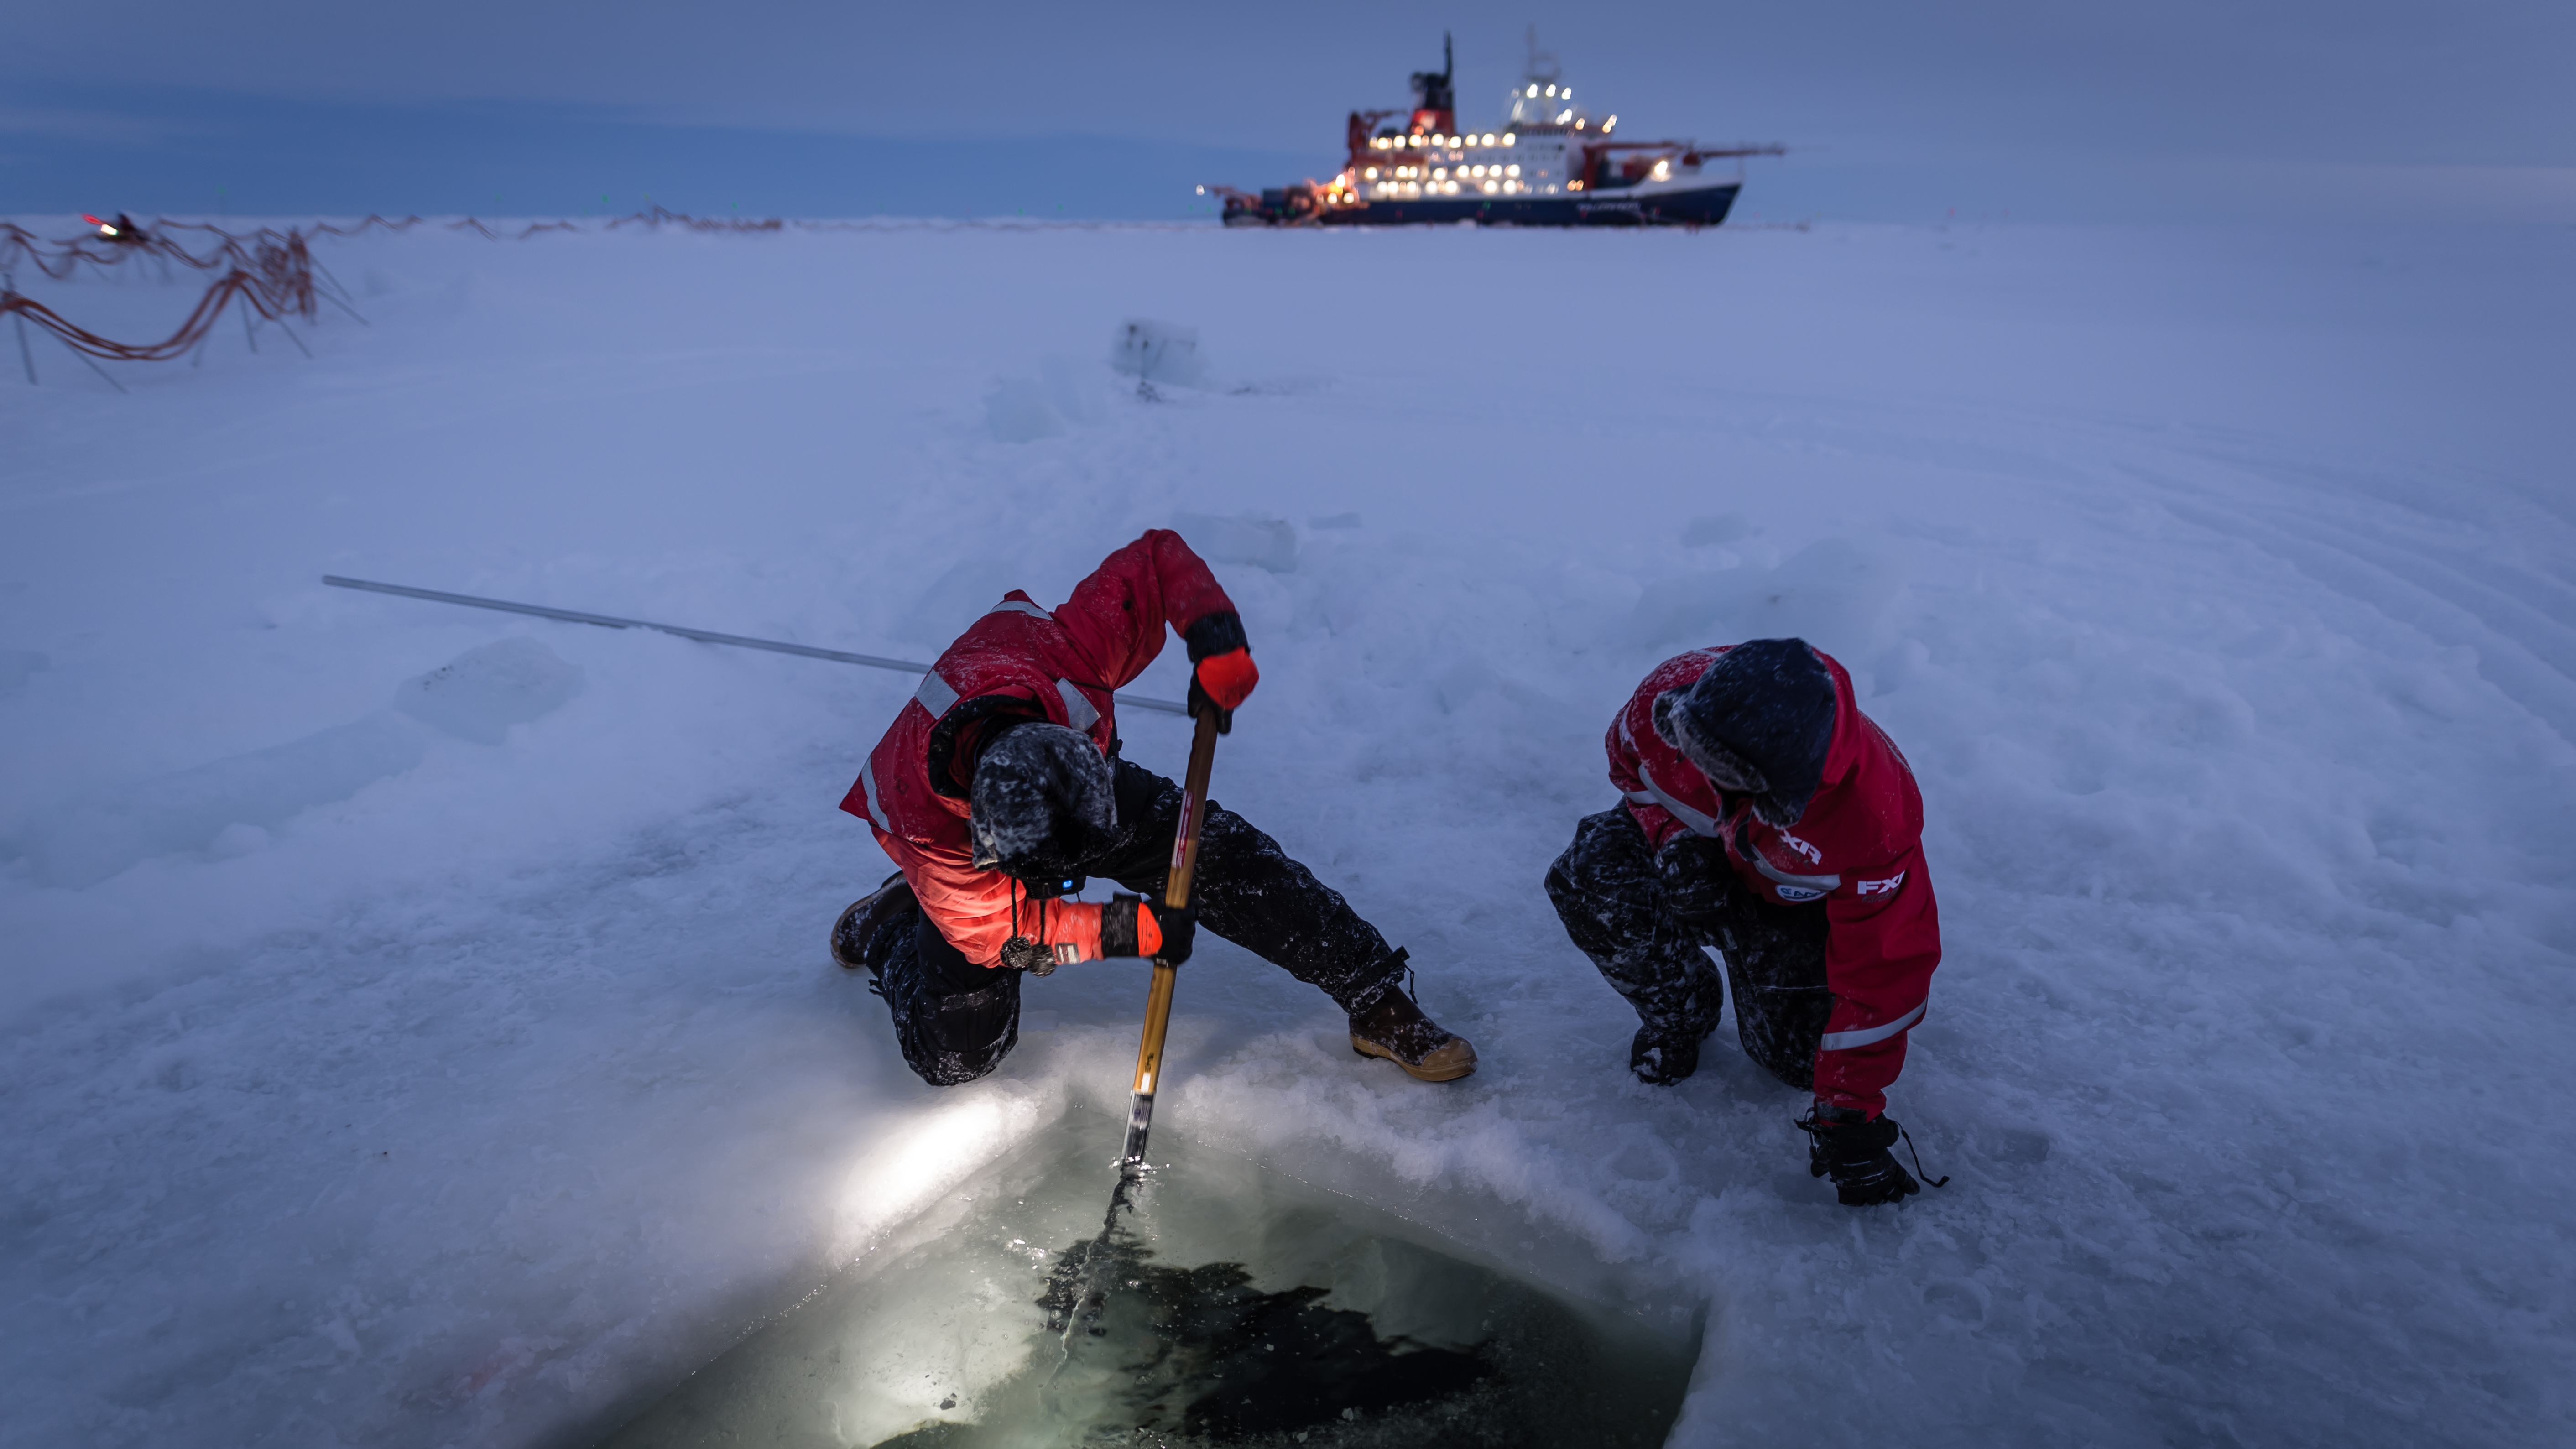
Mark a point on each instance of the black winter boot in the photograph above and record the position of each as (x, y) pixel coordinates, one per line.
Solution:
(851, 933)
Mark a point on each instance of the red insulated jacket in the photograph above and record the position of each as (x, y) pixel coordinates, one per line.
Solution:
(1858, 850)
(1062, 665)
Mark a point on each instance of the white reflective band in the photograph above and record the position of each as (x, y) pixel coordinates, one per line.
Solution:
(934, 694)
(868, 783)
(1692, 820)
(1077, 709)
(1021, 606)
(1837, 1041)
(1782, 877)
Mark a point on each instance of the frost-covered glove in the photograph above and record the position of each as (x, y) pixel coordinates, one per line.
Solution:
(1695, 877)
(1222, 673)
(1854, 1149)
(1130, 927)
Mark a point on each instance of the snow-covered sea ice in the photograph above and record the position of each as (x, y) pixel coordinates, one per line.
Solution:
(460, 1062)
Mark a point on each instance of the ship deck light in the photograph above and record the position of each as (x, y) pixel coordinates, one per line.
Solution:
(1606, 125)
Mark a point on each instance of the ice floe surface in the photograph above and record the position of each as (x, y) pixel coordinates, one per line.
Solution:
(419, 1029)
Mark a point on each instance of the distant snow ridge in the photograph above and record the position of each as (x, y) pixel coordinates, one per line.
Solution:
(228, 806)
(1065, 393)
(1264, 543)
(1834, 593)
(480, 693)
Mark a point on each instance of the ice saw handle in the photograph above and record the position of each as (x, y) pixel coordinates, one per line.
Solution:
(1176, 894)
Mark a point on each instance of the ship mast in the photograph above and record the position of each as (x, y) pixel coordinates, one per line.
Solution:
(1435, 98)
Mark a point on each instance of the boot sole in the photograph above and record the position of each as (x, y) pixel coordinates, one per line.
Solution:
(1433, 1069)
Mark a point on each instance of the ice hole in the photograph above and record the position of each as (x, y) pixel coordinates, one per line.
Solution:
(1227, 1303)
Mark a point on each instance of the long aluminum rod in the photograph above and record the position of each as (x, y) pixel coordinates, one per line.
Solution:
(703, 636)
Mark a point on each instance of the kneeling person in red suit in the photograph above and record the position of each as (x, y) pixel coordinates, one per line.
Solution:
(1766, 817)
(999, 788)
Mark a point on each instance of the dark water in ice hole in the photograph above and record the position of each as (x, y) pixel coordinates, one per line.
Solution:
(1229, 1305)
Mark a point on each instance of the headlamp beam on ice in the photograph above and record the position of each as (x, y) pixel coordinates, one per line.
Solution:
(703, 636)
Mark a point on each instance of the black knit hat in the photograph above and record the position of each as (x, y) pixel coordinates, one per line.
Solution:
(1757, 723)
(1045, 802)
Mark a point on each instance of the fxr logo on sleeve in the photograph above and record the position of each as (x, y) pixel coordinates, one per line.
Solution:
(1885, 887)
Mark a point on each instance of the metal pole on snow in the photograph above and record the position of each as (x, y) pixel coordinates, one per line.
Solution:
(703, 636)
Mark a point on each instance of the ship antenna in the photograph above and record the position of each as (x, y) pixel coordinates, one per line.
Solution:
(1448, 62)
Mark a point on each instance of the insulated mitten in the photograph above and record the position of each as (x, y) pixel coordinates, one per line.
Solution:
(1129, 927)
(1695, 874)
(1222, 673)
(1661, 1058)
(1854, 1149)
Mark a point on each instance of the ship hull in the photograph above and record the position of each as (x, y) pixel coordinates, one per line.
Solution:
(1694, 206)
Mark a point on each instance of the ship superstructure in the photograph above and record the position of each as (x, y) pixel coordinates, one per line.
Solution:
(1548, 162)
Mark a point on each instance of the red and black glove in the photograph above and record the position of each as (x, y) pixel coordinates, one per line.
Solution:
(1221, 670)
(1129, 927)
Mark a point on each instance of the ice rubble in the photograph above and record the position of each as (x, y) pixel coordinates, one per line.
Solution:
(229, 806)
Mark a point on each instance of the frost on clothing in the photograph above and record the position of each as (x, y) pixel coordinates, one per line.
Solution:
(1612, 900)
(1021, 660)
(1041, 801)
(956, 1021)
(1855, 851)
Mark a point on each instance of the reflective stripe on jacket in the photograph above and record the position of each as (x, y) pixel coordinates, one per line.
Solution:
(1061, 664)
(1857, 853)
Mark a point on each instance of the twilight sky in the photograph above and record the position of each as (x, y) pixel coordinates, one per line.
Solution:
(2371, 110)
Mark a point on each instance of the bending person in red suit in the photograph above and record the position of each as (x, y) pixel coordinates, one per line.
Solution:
(1766, 817)
(999, 789)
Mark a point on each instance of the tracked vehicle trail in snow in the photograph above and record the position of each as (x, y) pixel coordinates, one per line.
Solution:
(420, 1029)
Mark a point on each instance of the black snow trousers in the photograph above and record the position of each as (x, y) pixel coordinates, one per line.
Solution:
(956, 1020)
(1611, 899)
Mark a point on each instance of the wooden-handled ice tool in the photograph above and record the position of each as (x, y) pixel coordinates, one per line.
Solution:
(1176, 895)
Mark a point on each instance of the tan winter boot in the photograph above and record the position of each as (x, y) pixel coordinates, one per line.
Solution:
(1396, 1029)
